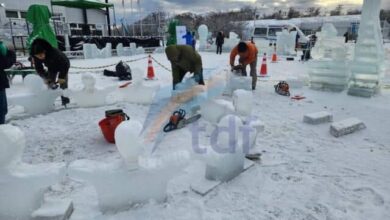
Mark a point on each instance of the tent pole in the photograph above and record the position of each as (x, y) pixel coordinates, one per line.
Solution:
(86, 30)
(108, 19)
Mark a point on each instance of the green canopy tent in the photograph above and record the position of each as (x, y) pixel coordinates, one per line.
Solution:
(38, 16)
(84, 5)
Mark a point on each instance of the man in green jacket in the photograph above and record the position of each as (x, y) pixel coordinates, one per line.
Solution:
(184, 59)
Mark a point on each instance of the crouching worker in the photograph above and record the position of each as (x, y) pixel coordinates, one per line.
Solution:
(184, 59)
(247, 52)
(7, 59)
(57, 64)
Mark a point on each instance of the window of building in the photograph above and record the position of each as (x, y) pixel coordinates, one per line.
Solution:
(23, 14)
(11, 14)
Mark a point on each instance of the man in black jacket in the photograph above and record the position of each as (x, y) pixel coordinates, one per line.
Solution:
(57, 64)
(7, 59)
(219, 42)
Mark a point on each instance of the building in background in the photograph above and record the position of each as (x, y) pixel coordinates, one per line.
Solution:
(13, 14)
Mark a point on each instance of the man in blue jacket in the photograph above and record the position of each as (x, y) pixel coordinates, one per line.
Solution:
(188, 38)
(7, 59)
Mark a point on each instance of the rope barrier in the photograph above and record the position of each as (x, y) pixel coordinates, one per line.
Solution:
(105, 66)
(160, 64)
(127, 61)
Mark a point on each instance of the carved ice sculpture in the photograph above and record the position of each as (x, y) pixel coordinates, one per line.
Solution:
(216, 85)
(231, 42)
(37, 99)
(89, 96)
(123, 51)
(285, 42)
(203, 33)
(189, 95)
(329, 69)
(91, 51)
(118, 188)
(120, 185)
(367, 65)
(129, 142)
(138, 92)
(21, 185)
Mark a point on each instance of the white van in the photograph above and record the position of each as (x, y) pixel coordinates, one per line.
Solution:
(265, 31)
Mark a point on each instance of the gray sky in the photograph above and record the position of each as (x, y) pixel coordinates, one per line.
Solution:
(203, 6)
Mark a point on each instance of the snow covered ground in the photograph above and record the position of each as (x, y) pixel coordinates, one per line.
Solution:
(304, 173)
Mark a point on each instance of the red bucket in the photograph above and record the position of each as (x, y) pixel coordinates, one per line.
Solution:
(108, 126)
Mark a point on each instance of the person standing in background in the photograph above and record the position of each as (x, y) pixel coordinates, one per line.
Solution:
(7, 59)
(219, 42)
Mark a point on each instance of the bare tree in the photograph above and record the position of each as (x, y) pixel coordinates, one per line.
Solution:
(337, 11)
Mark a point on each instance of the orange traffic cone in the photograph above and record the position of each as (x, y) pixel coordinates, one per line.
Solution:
(263, 68)
(274, 56)
(150, 75)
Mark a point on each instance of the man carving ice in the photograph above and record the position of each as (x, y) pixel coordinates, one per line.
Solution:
(56, 62)
(248, 56)
(184, 59)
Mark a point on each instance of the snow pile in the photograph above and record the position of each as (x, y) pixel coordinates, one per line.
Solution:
(37, 99)
(329, 69)
(21, 185)
(367, 66)
(89, 96)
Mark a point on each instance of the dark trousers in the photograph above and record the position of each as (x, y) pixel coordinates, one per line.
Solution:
(219, 49)
(3, 106)
(252, 73)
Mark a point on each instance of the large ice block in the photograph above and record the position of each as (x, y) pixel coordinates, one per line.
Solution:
(37, 99)
(369, 53)
(22, 185)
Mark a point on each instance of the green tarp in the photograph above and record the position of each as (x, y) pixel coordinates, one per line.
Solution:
(85, 4)
(38, 16)
(172, 32)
